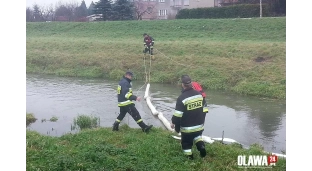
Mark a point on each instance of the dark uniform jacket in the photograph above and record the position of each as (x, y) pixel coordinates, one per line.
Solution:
(200, 90)
(189, 115)
(124, 92)
(148, 41)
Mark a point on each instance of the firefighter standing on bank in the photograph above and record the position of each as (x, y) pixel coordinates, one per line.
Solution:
(189, 118)
(148, 42)
(126, 105)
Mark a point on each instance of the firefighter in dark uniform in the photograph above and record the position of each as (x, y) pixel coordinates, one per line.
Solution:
(189, 118)
(126, 105)
(197, 86)
(148, 42)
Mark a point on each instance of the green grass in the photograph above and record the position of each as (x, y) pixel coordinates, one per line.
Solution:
(86, 122)
(53, 119)
(30, 118)
(247, 56)
(128, 150)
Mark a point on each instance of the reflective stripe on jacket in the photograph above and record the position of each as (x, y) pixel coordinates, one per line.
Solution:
(124, 92)
(189, 115)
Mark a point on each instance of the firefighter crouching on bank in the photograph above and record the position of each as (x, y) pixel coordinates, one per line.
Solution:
(189, 118)
(148, 43)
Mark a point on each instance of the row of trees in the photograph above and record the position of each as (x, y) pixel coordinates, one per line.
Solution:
(117, 10)
(124, 10)
(72, 11)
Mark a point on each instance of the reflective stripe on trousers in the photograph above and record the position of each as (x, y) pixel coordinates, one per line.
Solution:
(192, 128)
(187, 152)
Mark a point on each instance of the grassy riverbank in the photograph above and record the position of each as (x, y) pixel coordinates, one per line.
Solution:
(247, 56)
(129, 149)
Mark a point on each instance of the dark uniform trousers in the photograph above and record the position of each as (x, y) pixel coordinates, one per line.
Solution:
(188, 139)
(131, 109)
(125, 98)
(189, 119)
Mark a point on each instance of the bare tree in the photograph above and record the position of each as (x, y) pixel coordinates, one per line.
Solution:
(48, 13)
(62, 13)
(143, 7)
(66, 11)
(72, 6)
(29, 15)
(37, 13)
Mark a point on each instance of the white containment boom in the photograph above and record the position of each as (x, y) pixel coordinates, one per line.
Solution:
(166, 123)
(150, 105)
(147, 90)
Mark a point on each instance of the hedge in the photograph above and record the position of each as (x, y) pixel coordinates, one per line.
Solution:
(234, 11)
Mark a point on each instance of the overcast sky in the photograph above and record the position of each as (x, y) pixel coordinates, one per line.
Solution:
(29, 3)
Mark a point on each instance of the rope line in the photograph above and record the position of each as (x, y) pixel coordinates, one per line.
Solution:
(145, 67)
(174, 60)
(145, 76)
(149, 75)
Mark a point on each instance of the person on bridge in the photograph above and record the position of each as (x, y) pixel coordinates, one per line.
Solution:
(196, 86)
(189, 118)
(148, 42)
(125, 97)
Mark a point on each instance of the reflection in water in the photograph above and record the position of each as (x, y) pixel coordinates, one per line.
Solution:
(245, 119)
(268, 115)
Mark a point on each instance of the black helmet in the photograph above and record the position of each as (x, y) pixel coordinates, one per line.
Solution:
(144, 34)
(183, 76)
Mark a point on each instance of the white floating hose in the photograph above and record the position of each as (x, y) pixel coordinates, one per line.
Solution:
(207, 139)
(150, 105)
(147, 90)
(229, 140)
(165, 122)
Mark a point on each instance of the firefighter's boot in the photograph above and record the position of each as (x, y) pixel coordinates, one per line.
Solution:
(116, 126)
(144, 127)
(201, 148)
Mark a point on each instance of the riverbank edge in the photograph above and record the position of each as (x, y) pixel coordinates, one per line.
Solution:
(118, 148)
(113, 76)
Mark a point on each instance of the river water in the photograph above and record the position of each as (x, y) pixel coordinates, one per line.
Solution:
(245, 119)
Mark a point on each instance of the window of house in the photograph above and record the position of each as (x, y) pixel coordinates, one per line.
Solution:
(162, 12)
(162, 0)
(178, 2)
(186, 2)
(149, 10)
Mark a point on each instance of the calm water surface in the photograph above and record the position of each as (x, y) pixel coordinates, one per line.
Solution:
(246, 119)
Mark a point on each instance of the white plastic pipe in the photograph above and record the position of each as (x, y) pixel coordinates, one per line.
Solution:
(150, 105)
(207, 139)
(229, 140)
(147, 90)
(165, 122)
